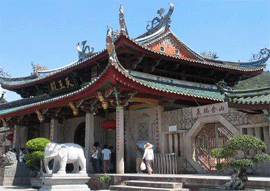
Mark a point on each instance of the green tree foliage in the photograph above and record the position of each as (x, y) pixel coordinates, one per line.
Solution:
(36, 149)
(239, 149)
(258, 81)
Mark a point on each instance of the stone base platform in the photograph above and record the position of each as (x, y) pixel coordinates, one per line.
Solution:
(64, 182)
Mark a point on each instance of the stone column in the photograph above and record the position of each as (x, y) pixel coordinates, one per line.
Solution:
(258, 132)
(120, 140)
(266, 138)
(176, 144)
(89, 138)
(16, 137)
(53, 130)
(158, 130)
(170, 136)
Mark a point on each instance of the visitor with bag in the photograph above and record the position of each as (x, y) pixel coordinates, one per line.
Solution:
(148, 156)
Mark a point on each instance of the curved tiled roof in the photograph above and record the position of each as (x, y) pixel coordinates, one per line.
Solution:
(31, 104)
(13, 82)
(212, 63)
(251, 96)
(143, 42)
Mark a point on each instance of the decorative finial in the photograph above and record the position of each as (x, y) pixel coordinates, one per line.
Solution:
(122, 20)
(163, 20)
(82, 50)
(263, 54)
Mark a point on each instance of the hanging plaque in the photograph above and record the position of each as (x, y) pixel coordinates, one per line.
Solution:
(63, 84)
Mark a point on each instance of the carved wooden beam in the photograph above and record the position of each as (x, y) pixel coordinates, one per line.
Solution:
(135, 63)
(19, 119)
(126, 102)
(74, 109)
(141, 105)
(155, 64)
(145, 100)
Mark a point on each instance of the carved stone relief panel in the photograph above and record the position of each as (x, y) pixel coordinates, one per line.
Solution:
(143, 130)
(258, 118)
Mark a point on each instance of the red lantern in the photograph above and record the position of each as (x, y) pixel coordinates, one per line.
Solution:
(109, 124)
(9, 137)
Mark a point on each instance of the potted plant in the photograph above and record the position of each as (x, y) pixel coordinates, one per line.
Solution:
(243, 151)
(34, 159)
(105, 179)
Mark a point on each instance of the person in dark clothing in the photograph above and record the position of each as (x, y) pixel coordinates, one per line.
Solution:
(113, 159)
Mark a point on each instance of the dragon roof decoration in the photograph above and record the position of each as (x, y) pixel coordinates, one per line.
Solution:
(157, 25)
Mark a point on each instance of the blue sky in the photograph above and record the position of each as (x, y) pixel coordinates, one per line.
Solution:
(46, 32)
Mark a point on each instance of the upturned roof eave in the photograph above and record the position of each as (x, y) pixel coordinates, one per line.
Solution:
(62, 71)
(203, 63)
(112, 73)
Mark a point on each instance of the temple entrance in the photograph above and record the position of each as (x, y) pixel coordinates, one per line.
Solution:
(79, 135)
(212, 135)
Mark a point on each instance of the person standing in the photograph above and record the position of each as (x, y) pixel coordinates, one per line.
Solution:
(106, 159)
(94, 159)
(96, 144)
(148, 156)
(21, 154)
(113, 159)
(139, 155)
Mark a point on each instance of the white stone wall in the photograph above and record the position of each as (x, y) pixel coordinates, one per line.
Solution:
(235, 120)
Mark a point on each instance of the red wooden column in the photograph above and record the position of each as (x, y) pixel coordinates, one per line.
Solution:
(120, 140)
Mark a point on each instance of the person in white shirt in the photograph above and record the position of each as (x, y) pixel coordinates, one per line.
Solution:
(106, 159)
(148, 156)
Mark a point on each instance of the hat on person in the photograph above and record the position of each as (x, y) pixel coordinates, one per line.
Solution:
(148, 146)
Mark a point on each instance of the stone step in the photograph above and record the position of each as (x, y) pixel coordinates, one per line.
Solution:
(136, 188)
(154, 184)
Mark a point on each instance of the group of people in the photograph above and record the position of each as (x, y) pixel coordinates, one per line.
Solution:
(102, 159)
(146, 157)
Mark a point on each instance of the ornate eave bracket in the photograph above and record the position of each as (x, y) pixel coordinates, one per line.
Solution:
(84, 50)
(102, 100)
(122, 20)
(163, 21)
(4, 122)
(72, 106)
(40, 116)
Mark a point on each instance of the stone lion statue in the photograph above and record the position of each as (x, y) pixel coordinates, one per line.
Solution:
(9, 159)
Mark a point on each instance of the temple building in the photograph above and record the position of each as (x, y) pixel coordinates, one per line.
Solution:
(150, 88)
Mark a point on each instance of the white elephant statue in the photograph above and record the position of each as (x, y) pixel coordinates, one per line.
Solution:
(63, 154)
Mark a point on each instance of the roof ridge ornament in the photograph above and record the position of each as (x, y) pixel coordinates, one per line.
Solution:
(163, 20)
(122, 20)
(37, 68)
(263, 54)
(110, 44)
(82, 50)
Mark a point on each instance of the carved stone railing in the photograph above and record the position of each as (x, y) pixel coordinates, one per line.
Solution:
(165, 164)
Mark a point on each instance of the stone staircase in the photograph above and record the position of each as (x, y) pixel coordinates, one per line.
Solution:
(142, 185)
